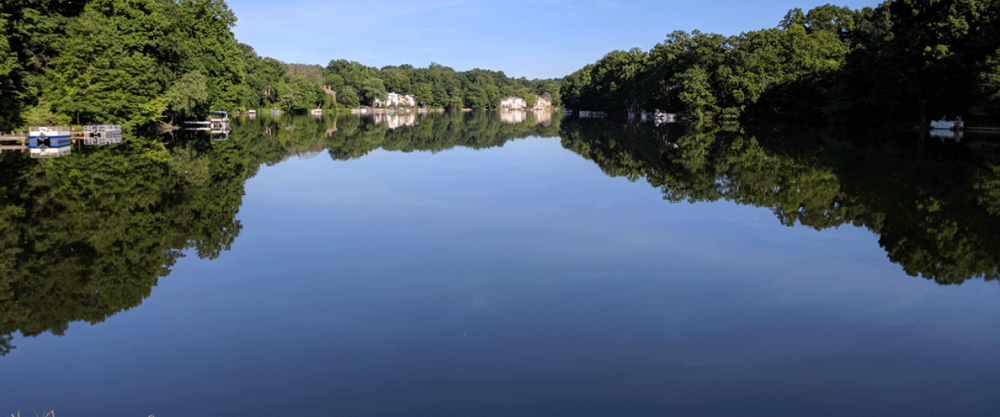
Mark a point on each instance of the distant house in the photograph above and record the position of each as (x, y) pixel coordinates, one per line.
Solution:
(543, 102)
(513, 103)
(396, 100)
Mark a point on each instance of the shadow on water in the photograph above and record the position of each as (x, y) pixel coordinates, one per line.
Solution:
(88, 235)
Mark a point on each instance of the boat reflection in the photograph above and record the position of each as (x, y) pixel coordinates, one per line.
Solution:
(948, 137)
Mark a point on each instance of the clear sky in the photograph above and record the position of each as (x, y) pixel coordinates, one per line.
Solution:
(533, 39)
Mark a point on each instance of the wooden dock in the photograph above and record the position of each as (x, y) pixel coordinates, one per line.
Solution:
(14, 142)
(983, 129)
(18, 141)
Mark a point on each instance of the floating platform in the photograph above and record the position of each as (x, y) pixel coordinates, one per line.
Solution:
(44, 137)
(97, 135)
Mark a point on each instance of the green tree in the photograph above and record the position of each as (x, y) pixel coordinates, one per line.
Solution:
(989, 80)
(187, 95)
(695, 92)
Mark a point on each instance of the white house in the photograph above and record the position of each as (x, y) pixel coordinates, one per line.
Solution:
(513, 103)
(396, 100)
(543, 102)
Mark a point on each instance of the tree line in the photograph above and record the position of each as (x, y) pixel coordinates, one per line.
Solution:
(902, 60)
(142, 62)
(435, 86)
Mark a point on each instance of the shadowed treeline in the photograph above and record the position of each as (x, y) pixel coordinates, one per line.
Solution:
(902, 60)
(935, 207)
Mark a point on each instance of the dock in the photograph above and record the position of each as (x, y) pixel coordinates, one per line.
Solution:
(13, 142)
(982, 129)
(96, 135)
(55, 141)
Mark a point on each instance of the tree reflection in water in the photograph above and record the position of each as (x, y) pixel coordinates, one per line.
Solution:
(935, 205)
(86, 236)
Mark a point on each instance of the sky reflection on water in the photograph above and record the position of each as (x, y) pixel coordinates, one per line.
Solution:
(519, 280)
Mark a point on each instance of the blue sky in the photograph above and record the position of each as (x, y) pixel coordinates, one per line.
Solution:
(533, 39)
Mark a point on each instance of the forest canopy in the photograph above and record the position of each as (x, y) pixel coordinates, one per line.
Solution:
(903, 60)
(142, 62)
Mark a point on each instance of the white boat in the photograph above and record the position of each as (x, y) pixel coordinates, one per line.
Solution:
(948, 122)
(219, 120)
(45, 137)
(661, 118)
(102, 134)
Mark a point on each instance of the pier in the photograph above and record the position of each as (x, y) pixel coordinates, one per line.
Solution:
(55, 141)
(13, 142)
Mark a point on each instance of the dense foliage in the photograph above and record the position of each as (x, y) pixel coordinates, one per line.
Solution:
(434, 86)
(140, 62)
(903, 60)
(116, 61)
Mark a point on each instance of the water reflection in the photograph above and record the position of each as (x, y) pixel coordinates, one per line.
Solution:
(395, 120)
(934, 205)
(542, 117)
(87, 236)
(948, 137)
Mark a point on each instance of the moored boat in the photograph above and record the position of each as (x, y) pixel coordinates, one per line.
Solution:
(948, 122)
(219, 120)
(45, 137)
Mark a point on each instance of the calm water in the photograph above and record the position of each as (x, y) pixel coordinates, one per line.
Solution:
(457, 265)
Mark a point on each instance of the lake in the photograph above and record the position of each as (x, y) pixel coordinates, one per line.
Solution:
(457, 265)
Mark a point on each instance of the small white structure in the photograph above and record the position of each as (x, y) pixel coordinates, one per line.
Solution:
(42, 139)
(660, 118)
(219, 120)
(396, 100)
(949, 122)
(543, 102)
(513, 103)
(102, 134)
